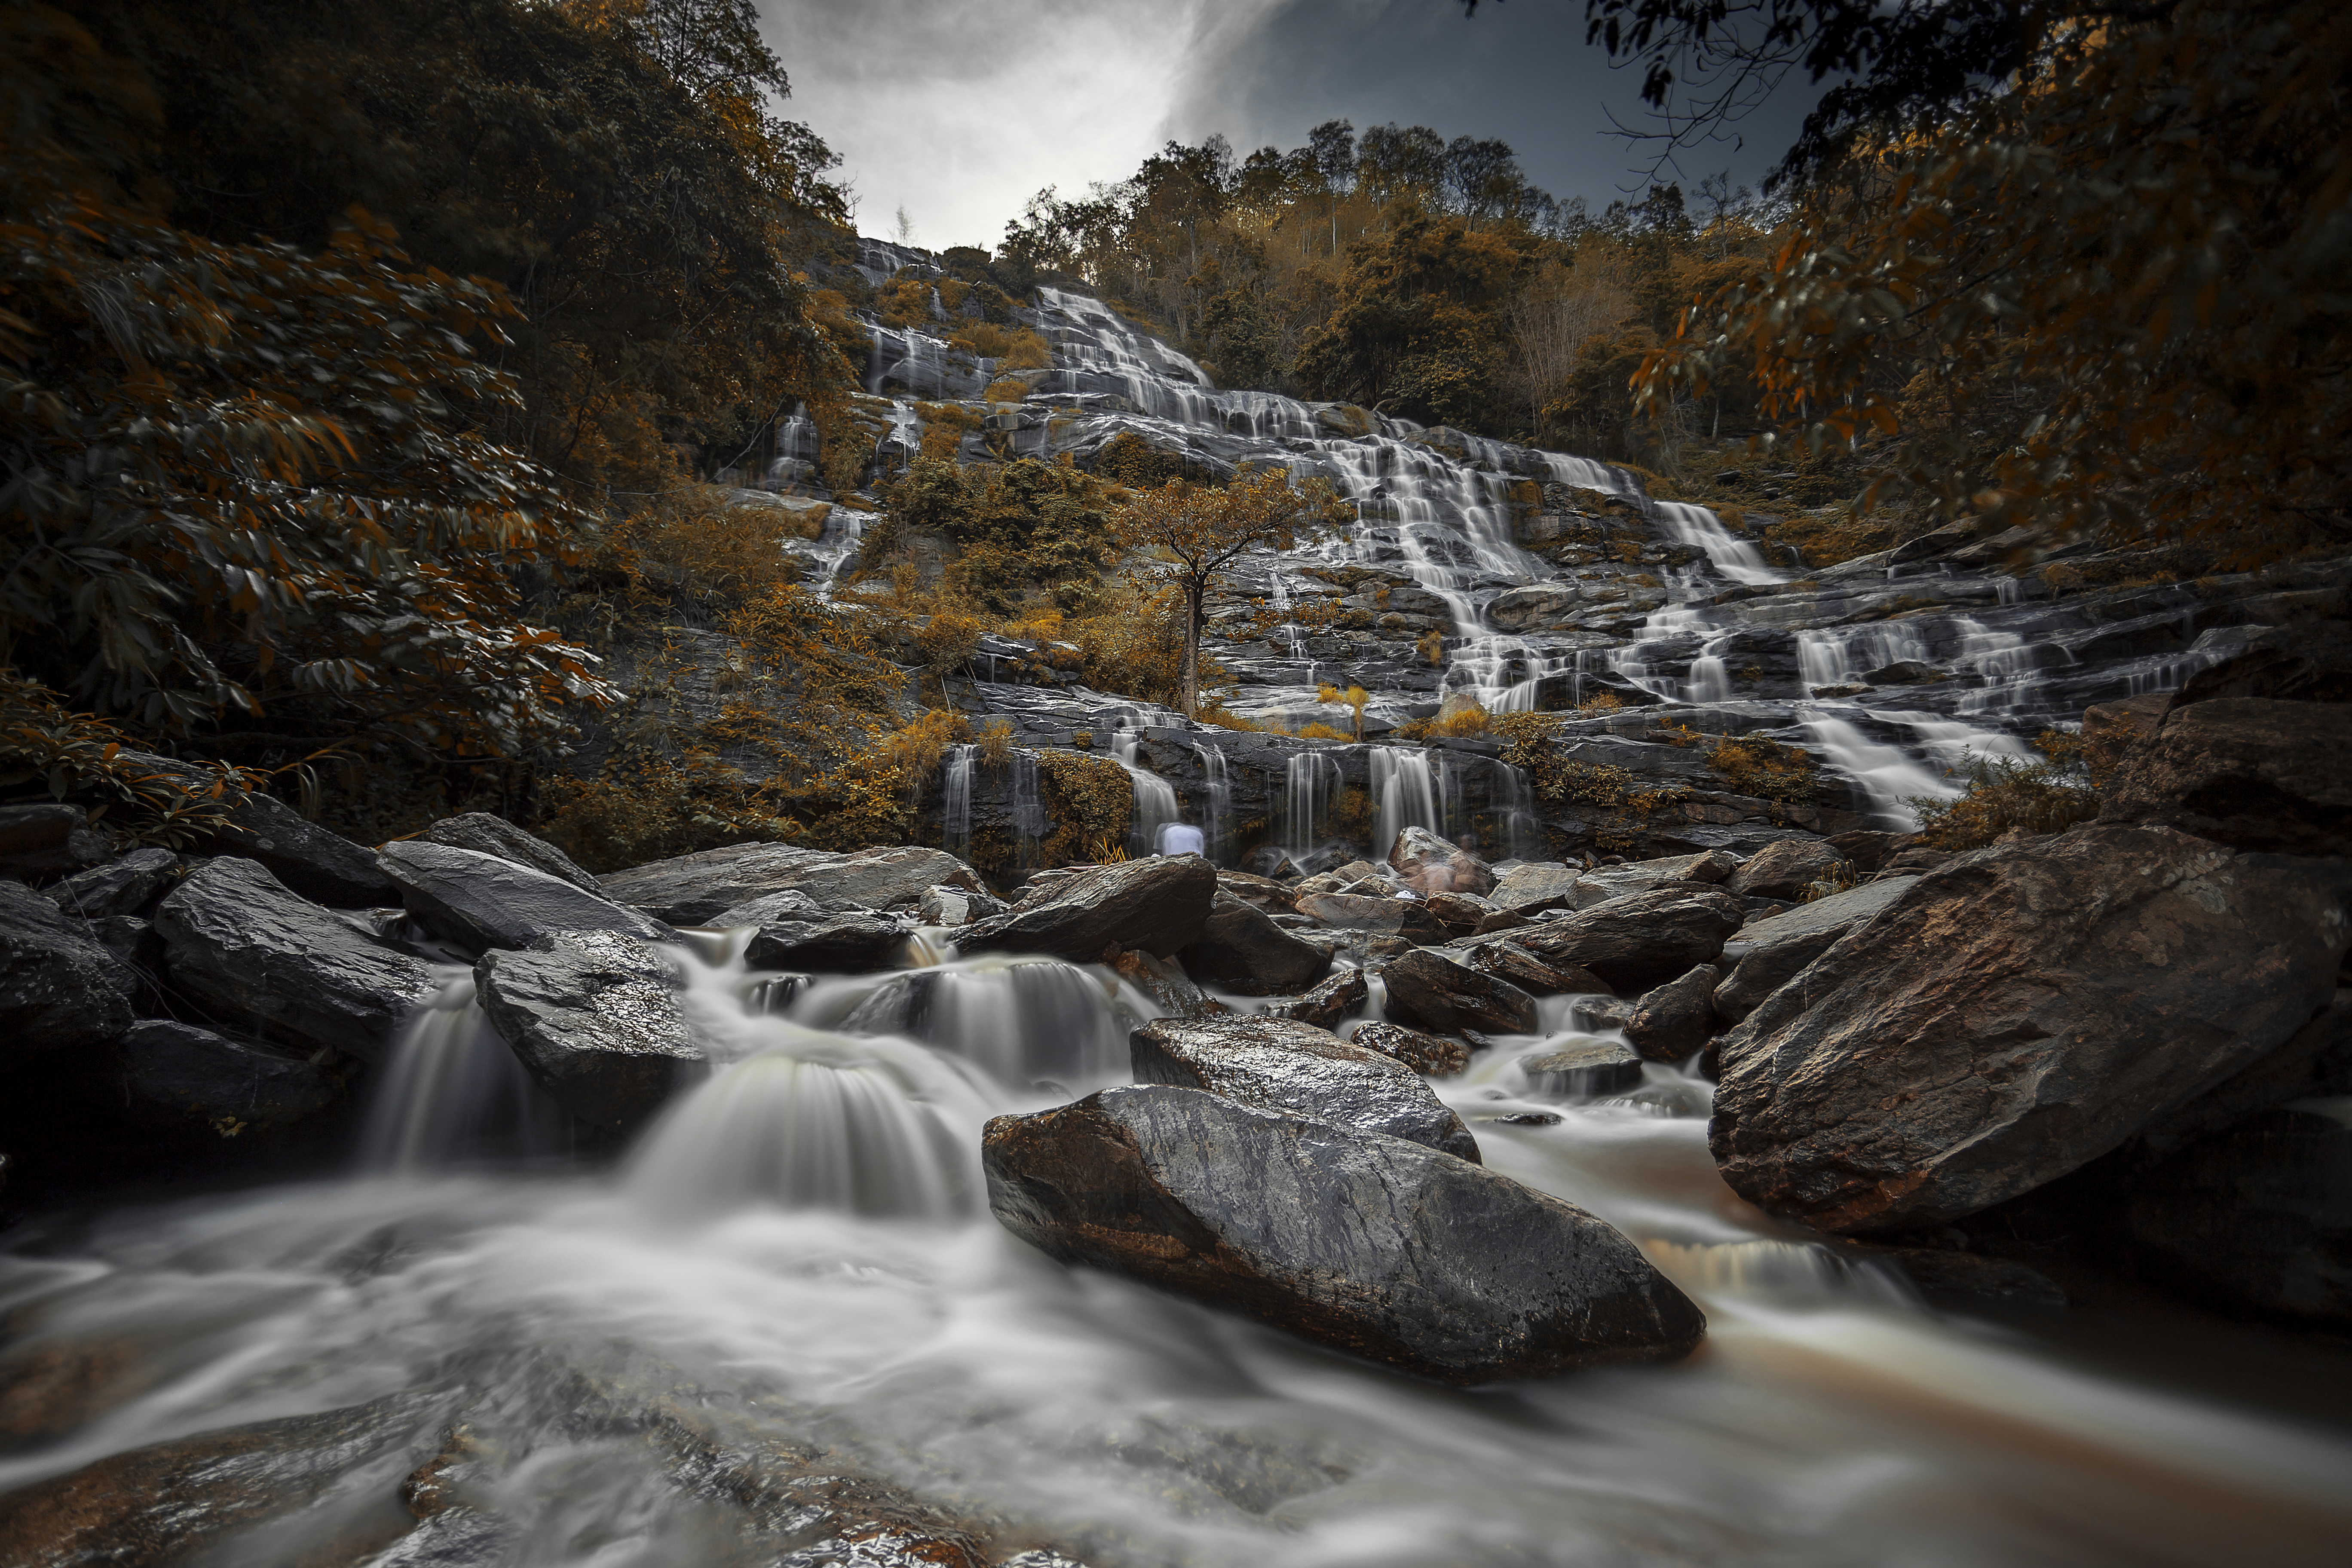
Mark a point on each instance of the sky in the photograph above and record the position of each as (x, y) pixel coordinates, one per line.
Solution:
(960, 110)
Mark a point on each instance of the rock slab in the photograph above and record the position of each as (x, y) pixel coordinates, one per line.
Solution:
(2015, 1014)
(1159, 905)
(1241, 949)
(59, 989)
(595, 1018)
(484, 901)
(1428, 989)
(1642, 939)
(1380, 1247)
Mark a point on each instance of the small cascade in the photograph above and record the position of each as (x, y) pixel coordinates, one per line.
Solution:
(1709, 681)
(1154, 797)
(1309, 782)
(845, 533)
(451, 1090)
(955, 798)
(1217, 810)
(1515, 804)
(1403, 795)
(1700, 528)
(1024, 1022)
(1028, 809)
(1886, 775)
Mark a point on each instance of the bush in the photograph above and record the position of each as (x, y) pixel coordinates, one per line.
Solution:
(1759, 766)
(2006, 793)
(1091, 801)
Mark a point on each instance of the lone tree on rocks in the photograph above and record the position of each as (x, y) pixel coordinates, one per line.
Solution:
(1206, 528)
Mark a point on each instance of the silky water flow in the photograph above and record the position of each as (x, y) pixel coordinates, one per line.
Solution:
(803, 1238)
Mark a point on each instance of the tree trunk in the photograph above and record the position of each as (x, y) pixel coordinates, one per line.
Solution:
(1193, 594)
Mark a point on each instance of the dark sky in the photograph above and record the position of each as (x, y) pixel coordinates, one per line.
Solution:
(959, 110)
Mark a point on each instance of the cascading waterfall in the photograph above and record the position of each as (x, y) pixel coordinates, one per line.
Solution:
(450, 1089)
(1515, 803)
(1309, 781)
(1028, 809)
(955, 793)
(1403, 795)
(1217, 809)
(1154, 797)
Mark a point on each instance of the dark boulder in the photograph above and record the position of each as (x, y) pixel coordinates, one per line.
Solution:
(2258, 1217)
(1337, 997)
(241, 942)
(46, 836)
(1433, 991)
(1767, 953)
(943, 904)
(595, 1018)
(1641, 939)
(1376, 1247)
(1786, 868)
(59, 989)
(881, 878)
(324, 867)
(1281, 1065)
(1674, 1021)
(1940, 1272)
(1540, 976)
(1262, 892)
(2315, 1063)
(693, 889)
(1165, 981)
(794, 932)
(1431, 1056)
(1373, 914)
(180, 1077)
(125, 885)
(2015, 1014)
(1459, 913)
(2250, 773)
(1535, 885)
(1239, 949)
(1158, 905)
(1428, 864)
(2310, 661)
(487, 834)
(481, 901)
(1582, 1068)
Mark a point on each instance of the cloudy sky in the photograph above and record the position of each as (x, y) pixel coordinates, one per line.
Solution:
(961, 110)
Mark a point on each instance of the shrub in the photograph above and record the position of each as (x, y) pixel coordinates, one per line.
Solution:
(1216, 713)
(996, 743)
(1091, 801)
(1471, 718)
(1321, 732)
(2006, 793)
(1763, 767)
(82, 758)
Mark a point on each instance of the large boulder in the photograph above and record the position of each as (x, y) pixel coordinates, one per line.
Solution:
(1431, 1056)
(2016, 1013)
(1376, 1247)
(1640, 940)
(1767, 954)
(59, 989)
(1535, 885)
(47, 836)
(793, 932)
(1583, 1067)
(324, 867)
(180, 1077)
(1786, 868)
(1538, 976)
(1282, 1065)
(881, 878)
(122, 885)
(487, 834)
(2252, 773)
(1599, 886)
(1159, 905)
(2309, 661)
(1373, 915)
(2257, 1217)
(1239, 949)
(1429, 864)
(240, 942)
(1429, 989)
(595, 1018)
(1676, 1019)
(693, 889)
(481, 901)
(1336, 999)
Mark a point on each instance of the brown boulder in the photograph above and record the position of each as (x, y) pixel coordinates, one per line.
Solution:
(1377, 916)
(1300, 1069)
(1338, 996)
(2252, 773)
(1674, 1021)
(1429, 864)
(1432, 989)
(1537, 976)
(1641, 939)
(1158, 905)
(1240, 949)
(1431, 1056)
(2015, 1014)
(1785, 869)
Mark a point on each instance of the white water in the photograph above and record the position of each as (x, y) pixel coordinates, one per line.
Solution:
(799, 1241)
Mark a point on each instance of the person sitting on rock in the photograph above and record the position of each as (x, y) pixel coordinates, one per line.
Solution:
(1181, 837)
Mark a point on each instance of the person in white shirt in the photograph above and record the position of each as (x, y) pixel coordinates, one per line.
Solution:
(1181, 839)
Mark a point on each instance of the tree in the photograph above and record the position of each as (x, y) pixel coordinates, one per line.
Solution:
(2110, 301)
(1204, 528)
(1331, 148)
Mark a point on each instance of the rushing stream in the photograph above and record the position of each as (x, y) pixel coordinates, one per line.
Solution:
(803, 1237)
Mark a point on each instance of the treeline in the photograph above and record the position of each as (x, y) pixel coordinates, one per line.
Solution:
(1429, 278)
(333, 333)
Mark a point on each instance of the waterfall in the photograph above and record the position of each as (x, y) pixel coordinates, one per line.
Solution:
(1154, 797)
(1028, 809)
(1218, 808)
(1699, 528)
(1309, 779)
(1514, 802)
(1403, 794)
(450, 1089)
(955, 793)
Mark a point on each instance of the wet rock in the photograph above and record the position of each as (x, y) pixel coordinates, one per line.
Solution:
(487, 834)
(481, 901)
(2112, 727)
(1640, 940)
(1537, 976)
(692, 890)
(1165, 981)
(1260, 893)
(1785, 869)
(2250, 773)
(1269, 862)
(1459, 913)
(1376, 1247)
(1674, 1021)
(1158, 905)
(179, 1078)
(1764, 967)
(1868, 847)
(2016, 1014)
(1600, 1012)
(133, 941)
(1429, 864)
(1527, 1119)
(1915, 861)
(1535, 885)
(1239, 949)
(1599, 886)
(122, 885)
(1428, 1055)
(59, 989)
(1280, 1065)
(324, 867)
(2310, 661)
(1943, 1273)
(48, 836)
(596, 1017)
(1432, 989)
(1582, 1068)
(1902, 673)
(2259, 1217)
(880, 878)
(1376, 916)
(171, 1501)
(944, 905)
(2315, 1063)
(241, 942)
(1338, 996)
(791, 935)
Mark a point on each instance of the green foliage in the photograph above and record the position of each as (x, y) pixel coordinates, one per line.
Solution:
(2010, 792)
